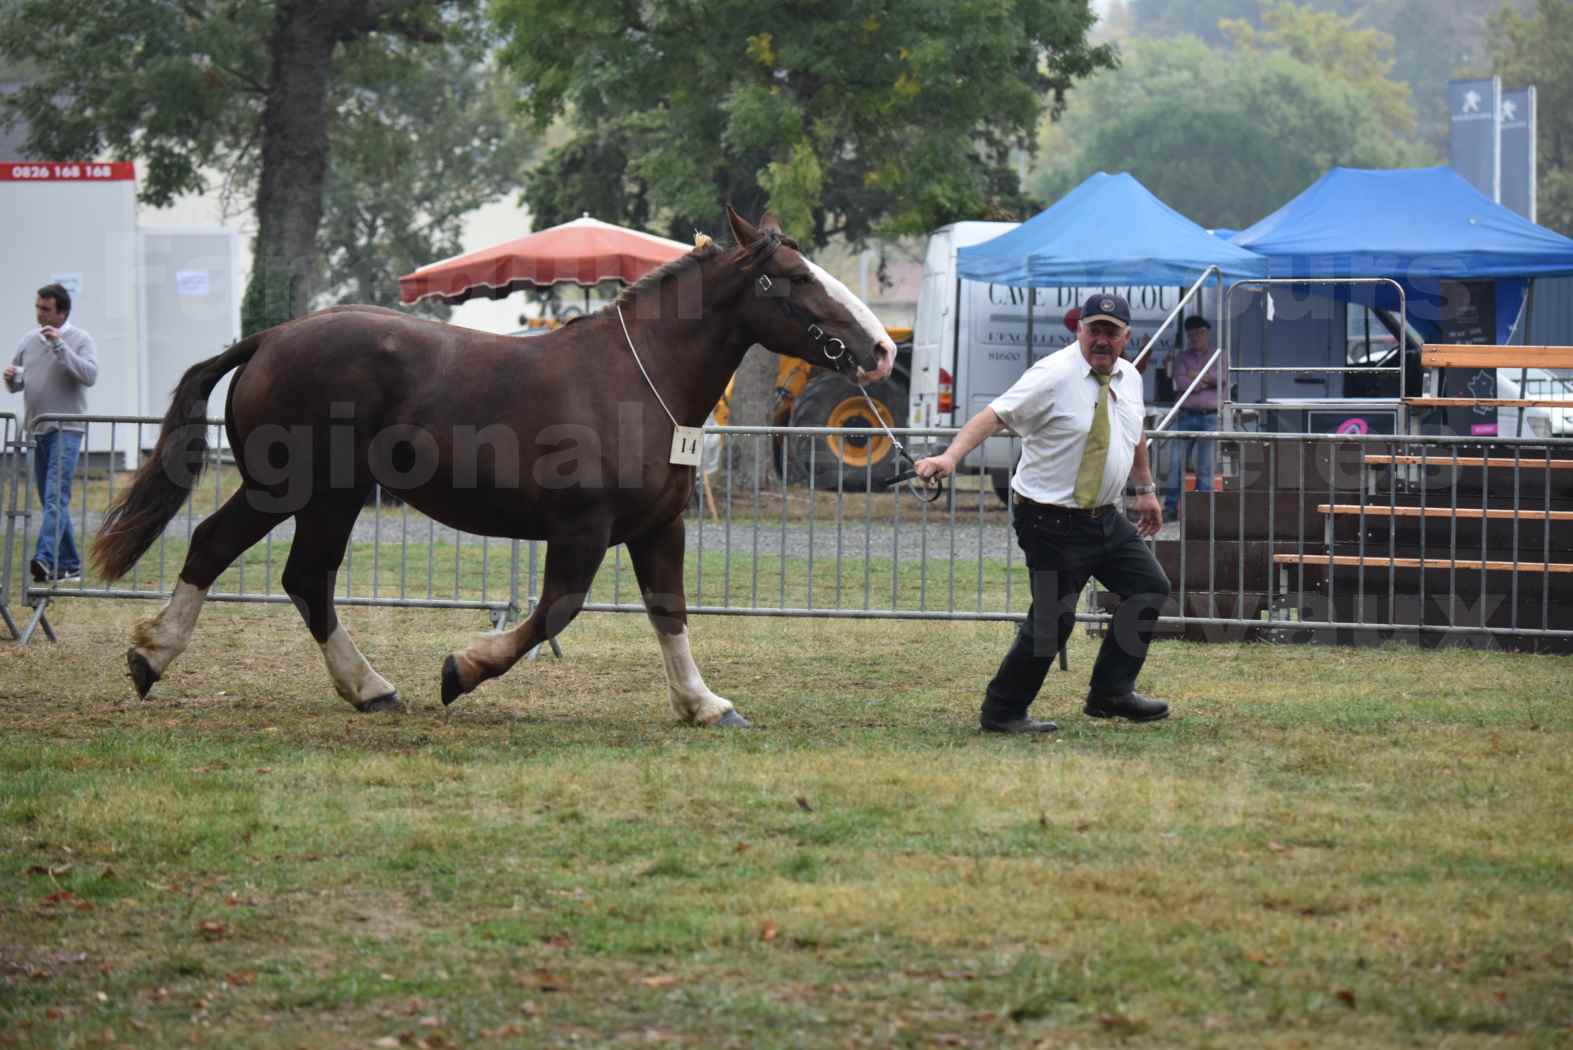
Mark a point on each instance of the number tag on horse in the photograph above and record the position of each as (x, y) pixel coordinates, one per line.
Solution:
(688, 445)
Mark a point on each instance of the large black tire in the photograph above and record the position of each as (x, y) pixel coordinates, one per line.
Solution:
(1001, 480)
(850, 462)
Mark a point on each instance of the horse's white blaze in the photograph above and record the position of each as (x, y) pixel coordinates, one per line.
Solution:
(856, 307)
(352, 675)
(166, 635)
(691, 698)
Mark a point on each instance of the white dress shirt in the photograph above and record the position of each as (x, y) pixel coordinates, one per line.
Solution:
(1050, 408)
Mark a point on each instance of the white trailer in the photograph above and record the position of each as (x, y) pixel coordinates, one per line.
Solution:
(972, 340)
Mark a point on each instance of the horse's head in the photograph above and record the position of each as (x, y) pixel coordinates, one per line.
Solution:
(797, 308)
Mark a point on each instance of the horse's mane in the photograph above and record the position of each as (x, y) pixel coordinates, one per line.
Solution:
(708, 249)
(678, 265)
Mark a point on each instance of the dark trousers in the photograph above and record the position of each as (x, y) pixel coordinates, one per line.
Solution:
(1063, 549)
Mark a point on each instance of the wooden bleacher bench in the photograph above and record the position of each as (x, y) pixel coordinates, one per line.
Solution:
(1371, 561)
(1457, 355)
(1450, 355)
(1444, 460)
(1493, 402)
(1476, 513)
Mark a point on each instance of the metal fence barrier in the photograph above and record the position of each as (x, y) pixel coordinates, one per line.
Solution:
(13, 449)
(396, 557)
(1315, 537)
(1352, 538)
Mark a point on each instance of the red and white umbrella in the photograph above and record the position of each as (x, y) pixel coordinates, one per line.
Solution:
(585, 251)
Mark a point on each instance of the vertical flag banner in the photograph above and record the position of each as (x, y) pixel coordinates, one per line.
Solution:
(1518, 151)
(1475, 151)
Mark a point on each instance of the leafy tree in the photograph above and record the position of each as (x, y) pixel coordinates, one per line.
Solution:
(850, 119)
(202, 85)
(418, 144)
(1432, 42)
(1223, 142)
(1198, 18)
(1337, 47)
(1538, 50)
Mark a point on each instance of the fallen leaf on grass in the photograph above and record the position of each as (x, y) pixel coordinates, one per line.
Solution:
(42, 869)
(507, 1031)
(741, 847)
(264, 769)
(1120, 1024)
(559, 940)
(1278, 847)
(1258, 958)
(1346, 996)
(768, 931)
(212, 930)
(545, 981)
(387, 1042)
(242, 978)
(660, 980)
(429, 1021)
(802, 803)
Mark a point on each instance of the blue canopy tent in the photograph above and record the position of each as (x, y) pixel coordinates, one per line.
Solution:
(1419, 226)
(1110, 230)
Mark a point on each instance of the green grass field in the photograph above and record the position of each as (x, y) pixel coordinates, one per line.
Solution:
(1323, 847)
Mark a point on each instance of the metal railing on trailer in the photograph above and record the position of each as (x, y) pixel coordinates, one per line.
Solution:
(1349, 537)
(1229, 415)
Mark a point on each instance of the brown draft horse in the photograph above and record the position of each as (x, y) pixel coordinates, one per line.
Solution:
(562, 438)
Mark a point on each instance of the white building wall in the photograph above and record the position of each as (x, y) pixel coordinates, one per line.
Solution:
(82, 234)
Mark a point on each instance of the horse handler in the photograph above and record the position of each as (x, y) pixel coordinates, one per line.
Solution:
(1078, 413)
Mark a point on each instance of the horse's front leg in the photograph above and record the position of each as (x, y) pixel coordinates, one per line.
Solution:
(572, 559)
(658, 563)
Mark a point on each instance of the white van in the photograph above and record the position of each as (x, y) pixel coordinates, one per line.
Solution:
(1539, 422)
(969, 342)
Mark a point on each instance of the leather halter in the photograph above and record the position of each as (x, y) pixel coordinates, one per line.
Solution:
(834, 349)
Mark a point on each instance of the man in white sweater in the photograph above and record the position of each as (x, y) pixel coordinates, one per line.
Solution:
(54, 365)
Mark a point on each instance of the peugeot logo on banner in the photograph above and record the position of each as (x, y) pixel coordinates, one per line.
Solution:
(1471, 102)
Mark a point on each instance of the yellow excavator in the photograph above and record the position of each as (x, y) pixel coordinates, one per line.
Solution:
(809, 396)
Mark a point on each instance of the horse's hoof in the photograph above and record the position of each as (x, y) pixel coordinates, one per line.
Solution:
(386, 702)
(142, 674)
(452, 689)
(733, 720)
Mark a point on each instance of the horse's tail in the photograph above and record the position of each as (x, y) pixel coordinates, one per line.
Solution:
(167, 477)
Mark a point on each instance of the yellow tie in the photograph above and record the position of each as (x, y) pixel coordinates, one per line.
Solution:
(1089, 476)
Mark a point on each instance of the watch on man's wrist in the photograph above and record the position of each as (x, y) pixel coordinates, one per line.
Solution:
(1144, 490)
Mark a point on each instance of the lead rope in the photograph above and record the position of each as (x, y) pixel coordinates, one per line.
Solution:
(926, 489)
(640, 363)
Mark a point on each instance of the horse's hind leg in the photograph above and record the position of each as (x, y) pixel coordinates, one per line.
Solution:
(221, 538)
(658, 563)
(322, 531)
(571, 562)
